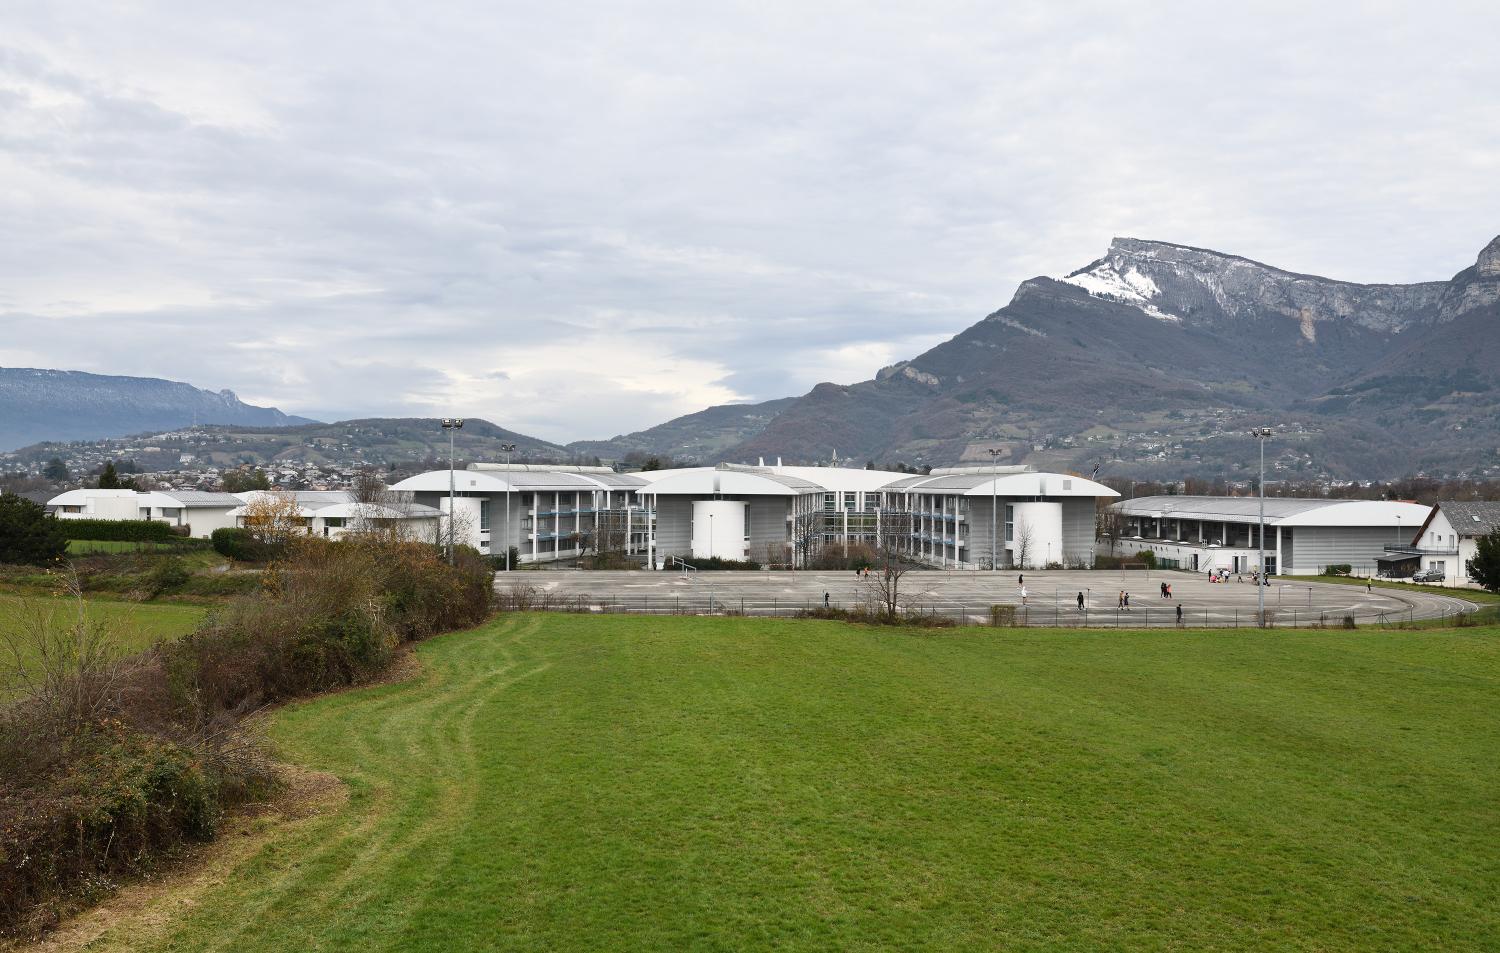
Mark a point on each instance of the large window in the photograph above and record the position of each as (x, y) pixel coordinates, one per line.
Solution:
(1010, 523)
(484, 514)
(830, 501)
(848, 501)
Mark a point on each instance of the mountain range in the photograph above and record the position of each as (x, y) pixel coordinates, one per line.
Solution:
(38, 405)
(1152, 362)
(1155, 360)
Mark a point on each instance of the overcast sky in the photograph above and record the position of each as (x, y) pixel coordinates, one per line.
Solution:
(582, 219)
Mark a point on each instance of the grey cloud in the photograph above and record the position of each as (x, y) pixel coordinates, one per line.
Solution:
(579, 220)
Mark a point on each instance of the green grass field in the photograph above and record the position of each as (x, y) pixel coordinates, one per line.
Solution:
(133, 625)
(557, 782)
(1479, 596)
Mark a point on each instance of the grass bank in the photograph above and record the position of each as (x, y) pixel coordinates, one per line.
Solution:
(559, 782)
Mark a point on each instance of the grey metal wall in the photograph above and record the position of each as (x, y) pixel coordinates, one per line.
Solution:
(977, 527)
(1078, 529)
(674, 526)
(1314, 547)
(765, 518)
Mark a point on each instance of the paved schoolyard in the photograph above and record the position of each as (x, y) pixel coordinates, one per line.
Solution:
(1052, 597)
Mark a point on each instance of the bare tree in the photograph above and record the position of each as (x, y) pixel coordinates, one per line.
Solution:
(807, 537)
(1109, 525)
(273, 517)
(882, 589)
(775, 554)
(368, 487)
(1022, 545)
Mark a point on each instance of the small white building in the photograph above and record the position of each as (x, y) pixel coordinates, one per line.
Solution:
(1448, 538)
(1302, 536)
(200, 512)
(332, 514)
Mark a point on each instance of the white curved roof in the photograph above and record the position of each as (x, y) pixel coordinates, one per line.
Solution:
(984, 483)
(81, 497)
(1362, 513)
(377, 511)
(839, 478)
(707, 481)
(517, 481)
(1280, 510)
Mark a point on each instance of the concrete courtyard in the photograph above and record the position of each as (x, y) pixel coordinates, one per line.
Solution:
(1051, 598)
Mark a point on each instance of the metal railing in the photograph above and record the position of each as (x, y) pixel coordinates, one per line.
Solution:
(973, 614)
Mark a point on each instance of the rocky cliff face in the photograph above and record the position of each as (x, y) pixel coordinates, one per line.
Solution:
(1156, 358)
(1181, 283)
(1473, 288)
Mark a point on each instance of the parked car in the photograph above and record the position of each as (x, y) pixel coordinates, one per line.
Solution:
(1429, 575)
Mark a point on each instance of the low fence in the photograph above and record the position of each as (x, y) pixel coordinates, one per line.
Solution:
(1051, 616)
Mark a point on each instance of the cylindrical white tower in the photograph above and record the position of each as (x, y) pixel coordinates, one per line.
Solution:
(718, 529)
(1038, 537)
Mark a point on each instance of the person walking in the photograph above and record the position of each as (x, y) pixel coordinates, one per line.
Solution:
(1120, 600)
(1080, 602)
(1127, 602)
(1023, 595)
(1369, 586)
(825, 600)
(1179, 615)
(1021, 580)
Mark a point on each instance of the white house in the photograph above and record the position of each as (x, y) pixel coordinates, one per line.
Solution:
(200, 512)
(335, 513)
(1448, 538)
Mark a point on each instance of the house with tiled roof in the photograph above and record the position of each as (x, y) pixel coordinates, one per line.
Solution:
(1447, 540)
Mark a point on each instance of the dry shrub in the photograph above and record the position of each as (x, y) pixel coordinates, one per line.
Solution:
(332, 614)
(97, 776)
(108, 763)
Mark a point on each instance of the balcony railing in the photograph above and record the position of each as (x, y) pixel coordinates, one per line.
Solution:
(1419, 551)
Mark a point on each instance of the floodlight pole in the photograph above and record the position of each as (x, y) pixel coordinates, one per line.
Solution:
(507, 448)
(1260, 589)
(452, 425)
(994, 510)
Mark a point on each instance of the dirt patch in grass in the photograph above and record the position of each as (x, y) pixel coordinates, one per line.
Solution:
(146, 906)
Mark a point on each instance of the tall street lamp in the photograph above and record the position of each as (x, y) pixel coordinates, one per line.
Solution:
(507, 448)
(994, 509)
(452, 425)
(1260, 589)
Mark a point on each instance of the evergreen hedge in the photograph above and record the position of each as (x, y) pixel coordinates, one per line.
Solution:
(123, 531)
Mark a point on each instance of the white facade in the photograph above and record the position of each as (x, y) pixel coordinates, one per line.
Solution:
(546, 513)
(719, 529)
(201, 513)
(1302, 536)
(998, 517)
(332, 514)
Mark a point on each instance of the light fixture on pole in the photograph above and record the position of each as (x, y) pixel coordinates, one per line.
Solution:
(452, 425)
(507, 448)
(1262, 433)
(994, 453)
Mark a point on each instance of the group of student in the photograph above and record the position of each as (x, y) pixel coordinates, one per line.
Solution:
(1222, 575)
